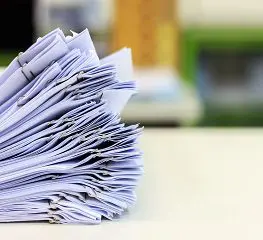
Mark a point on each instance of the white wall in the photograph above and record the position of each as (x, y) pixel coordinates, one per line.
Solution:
(221, 12)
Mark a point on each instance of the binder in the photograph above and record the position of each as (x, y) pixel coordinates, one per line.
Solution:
(65, 154)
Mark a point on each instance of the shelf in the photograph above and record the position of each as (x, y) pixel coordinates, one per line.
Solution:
(185, 112)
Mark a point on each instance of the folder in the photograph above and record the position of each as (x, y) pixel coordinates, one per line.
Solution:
(66, 155)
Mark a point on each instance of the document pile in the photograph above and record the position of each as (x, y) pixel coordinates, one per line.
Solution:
(65, 155)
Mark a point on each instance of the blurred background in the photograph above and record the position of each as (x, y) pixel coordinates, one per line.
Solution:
(197, 62)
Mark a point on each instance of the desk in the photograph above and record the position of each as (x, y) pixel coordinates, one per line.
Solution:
(198, 184)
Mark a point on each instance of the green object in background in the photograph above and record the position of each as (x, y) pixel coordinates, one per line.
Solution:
(214, 39)
(6, 58)
(196, 39)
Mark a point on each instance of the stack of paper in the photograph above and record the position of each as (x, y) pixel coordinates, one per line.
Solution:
(65, 155)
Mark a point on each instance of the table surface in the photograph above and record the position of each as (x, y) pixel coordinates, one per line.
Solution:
(198, 184)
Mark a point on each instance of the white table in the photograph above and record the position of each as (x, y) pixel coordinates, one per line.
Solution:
(198, 184)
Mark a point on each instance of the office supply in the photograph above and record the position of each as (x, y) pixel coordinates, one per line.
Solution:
(66, 156)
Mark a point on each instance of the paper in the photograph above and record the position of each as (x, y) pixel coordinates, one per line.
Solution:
(66, 156)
